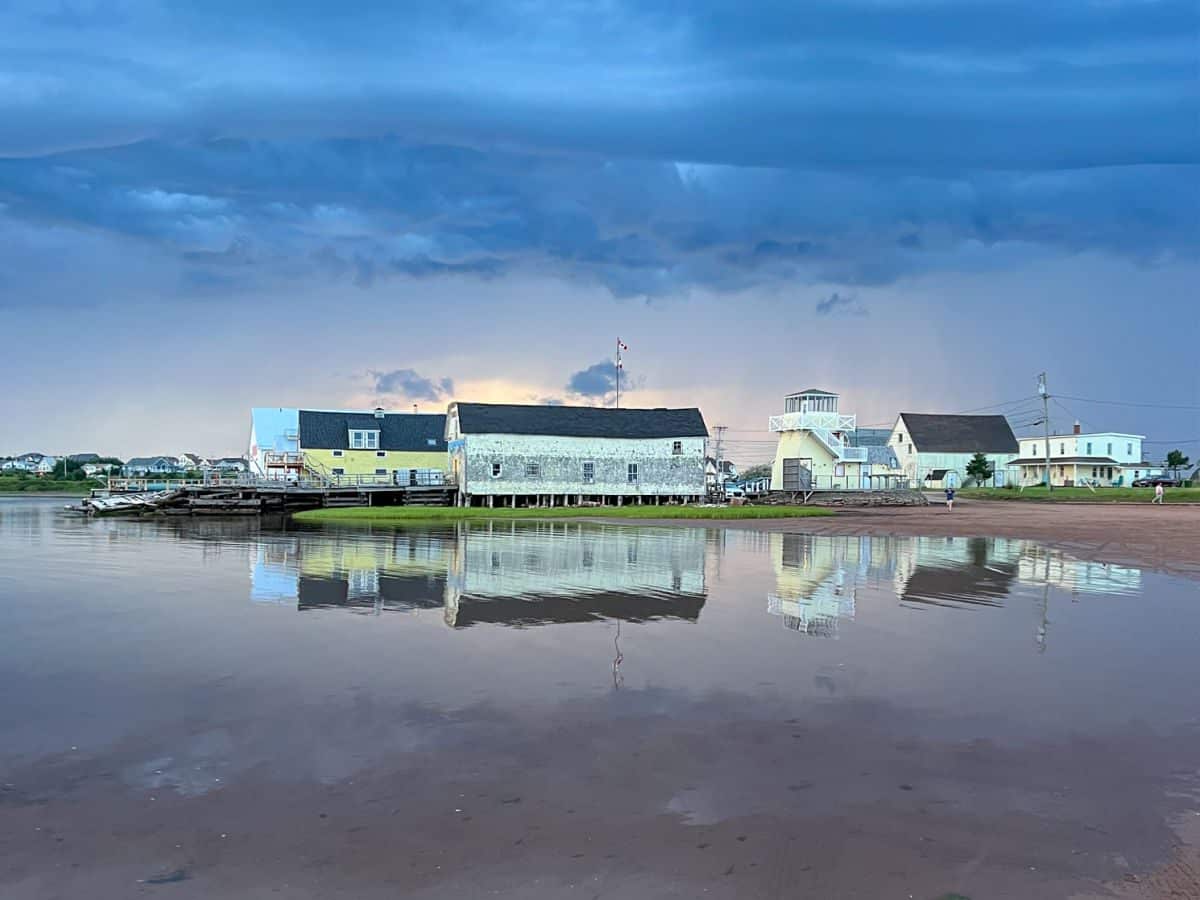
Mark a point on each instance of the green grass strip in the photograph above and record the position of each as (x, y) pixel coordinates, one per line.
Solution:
(386, 514)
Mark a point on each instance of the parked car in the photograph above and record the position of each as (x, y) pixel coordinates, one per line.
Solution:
(1152, 480)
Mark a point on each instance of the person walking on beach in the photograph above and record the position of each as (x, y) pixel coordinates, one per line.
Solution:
(1158, 494)
(950, 498)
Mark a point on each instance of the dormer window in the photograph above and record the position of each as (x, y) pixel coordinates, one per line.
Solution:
(361, 439)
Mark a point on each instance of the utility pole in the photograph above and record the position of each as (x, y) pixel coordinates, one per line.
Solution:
(719, 454)
(1044, 391)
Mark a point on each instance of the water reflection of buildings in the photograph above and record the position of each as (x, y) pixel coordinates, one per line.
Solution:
(818, 579)
(507, 573)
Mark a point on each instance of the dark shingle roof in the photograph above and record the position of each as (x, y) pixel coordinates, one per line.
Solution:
(579, 421)
(397, 431)
(960, 434)
(84, 457)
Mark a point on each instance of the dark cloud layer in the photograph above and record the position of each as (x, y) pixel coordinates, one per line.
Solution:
(649, 148)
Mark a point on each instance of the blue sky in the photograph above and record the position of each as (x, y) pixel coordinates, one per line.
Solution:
(921, 205)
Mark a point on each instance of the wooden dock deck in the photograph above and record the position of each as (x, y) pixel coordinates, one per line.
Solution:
(248, 494)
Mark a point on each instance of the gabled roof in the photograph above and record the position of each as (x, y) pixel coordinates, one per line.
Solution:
(411, 432)
(579, 421)
(817, 391)
(960, 434)
(151, 460)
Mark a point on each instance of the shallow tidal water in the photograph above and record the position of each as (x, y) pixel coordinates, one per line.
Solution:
(242, 709)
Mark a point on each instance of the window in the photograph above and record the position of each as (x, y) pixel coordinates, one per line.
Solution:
(1035, 449)
(632, 473)
(364, 440)
(910, 449)
(589, 473)
(338, 453)
(1110, 449)
(496, 469)
(533, 470)
(1089, 448)
(381, 471)
(1093, 471)
(431, 442)
(1129, 449)
(381, 453)
(677, 448)
(1062, 449)
(338, 471)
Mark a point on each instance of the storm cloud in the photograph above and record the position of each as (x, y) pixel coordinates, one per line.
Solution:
(596, 381)
(408, 384)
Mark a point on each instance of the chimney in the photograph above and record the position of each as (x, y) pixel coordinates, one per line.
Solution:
(1078, 430)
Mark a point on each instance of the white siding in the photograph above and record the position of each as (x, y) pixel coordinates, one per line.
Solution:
(560, 463)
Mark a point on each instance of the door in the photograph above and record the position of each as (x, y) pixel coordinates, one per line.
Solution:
(796, 475)
(866, 477)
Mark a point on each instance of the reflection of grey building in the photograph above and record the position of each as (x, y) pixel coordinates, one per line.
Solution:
(563, 572)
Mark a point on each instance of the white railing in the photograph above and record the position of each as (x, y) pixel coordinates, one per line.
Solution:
(283, 458)
(810, 421)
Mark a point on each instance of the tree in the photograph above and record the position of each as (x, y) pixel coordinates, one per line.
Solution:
(1176, 461)
(979, 468)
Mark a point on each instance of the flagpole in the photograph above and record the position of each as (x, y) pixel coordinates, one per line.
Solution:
(618, 373)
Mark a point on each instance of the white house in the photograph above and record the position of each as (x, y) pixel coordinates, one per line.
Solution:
(26, 462)
(574, 454)
(934, 450)
(1100, 459)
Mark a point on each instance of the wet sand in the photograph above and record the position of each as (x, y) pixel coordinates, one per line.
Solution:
(706, 803)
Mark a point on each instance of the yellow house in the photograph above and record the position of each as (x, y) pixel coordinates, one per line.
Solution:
(815, 449)
(394, 448)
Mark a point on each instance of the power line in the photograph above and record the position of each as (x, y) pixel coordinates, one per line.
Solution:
(1131, 403)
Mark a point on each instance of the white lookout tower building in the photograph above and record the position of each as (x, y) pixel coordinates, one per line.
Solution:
(814, 445)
